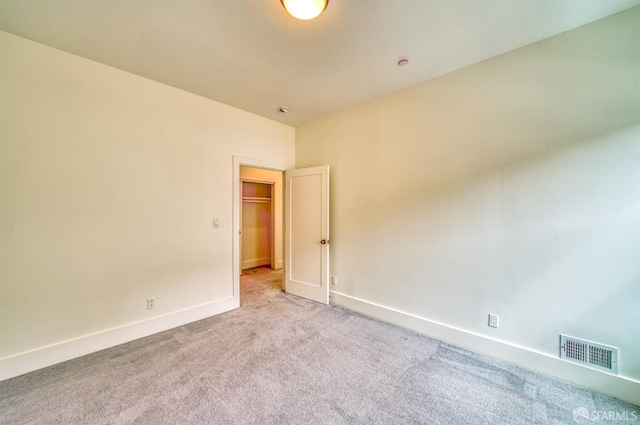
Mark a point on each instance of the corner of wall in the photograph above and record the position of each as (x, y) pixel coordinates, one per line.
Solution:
(42, 357)
(620, 387)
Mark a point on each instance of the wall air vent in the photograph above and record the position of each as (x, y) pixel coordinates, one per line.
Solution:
(589, 354)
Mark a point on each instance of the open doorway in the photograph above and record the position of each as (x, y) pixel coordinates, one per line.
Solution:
(258, 222)
(306, 254)
(257, 231)
(261, 235)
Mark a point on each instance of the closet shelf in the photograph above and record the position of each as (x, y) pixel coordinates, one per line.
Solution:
(256, 200)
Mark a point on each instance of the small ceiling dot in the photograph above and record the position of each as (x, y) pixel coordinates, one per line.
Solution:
(284, 109)
(403, 61)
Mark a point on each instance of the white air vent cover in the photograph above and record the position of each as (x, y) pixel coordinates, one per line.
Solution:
(590, 354)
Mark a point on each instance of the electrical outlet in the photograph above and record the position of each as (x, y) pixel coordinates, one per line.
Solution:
(334, 280)
(494, 320)
(151, 303)
(216, 223)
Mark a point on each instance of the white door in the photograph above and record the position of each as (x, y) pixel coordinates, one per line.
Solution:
(307, 233)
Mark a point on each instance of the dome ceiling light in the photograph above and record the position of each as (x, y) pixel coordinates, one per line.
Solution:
(305, 9)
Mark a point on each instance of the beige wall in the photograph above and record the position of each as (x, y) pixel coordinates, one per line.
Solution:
(509, 187)
(109, 185)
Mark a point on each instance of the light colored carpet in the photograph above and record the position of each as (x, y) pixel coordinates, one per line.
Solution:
(280, 360)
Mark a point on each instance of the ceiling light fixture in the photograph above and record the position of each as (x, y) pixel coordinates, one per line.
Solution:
(305, 9)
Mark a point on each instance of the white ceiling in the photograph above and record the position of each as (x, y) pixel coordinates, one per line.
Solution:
(252, 55)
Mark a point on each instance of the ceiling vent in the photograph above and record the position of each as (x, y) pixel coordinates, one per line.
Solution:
(590, 354)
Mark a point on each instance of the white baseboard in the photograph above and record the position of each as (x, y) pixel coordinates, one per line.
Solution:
(41, 357)
(256, 262)
(620, 387)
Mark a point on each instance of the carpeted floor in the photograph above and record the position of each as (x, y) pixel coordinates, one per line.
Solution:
(280, 360)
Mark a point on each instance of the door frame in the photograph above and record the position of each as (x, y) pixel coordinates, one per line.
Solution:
(239, 161)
